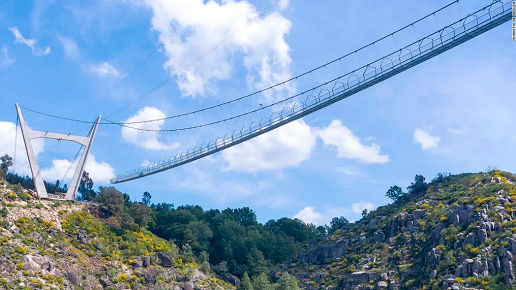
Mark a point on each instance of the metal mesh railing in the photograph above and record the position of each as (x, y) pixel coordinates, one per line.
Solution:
(345, 85)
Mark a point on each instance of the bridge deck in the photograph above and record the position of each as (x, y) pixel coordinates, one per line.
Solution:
(349, 84)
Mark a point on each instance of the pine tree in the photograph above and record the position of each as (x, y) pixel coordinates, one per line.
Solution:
(245, 283)
(261, 282)
(287, 282)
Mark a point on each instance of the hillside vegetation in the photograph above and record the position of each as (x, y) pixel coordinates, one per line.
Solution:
(62, 245)
(457, 232)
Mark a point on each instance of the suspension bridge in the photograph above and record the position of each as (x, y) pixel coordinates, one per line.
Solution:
(233, 122)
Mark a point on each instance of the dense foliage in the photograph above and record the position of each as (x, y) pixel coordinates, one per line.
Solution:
(233, 236)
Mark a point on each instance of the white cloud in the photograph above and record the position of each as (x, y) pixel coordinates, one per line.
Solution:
(6, 59)
(426, 140)
(309, 215)
(283, 147)
(189, 28)
(145, 163)
(360, 206)
(70, 47)
(100, 172)
(8, 133)
(349, 146)
(456, 131)
(105, 69)
(145, 139)
(36, 51)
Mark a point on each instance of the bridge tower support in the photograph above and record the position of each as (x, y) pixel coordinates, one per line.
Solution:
(29, 135)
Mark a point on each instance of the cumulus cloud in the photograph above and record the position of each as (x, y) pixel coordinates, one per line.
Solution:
(70, 48)
(105, 69)
(145, 139)
(6, 59)
(8, 133)
(283, 147)
(426, 140)
(188, 29)
(360, 206)
(100, 172)
(309, 215)
(36, 51)
(349, 146)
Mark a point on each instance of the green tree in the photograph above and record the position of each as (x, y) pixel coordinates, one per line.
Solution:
(86, 187)
(112, 199)
(243, 216)
(287, 282)
(7, 161)
(395, 193)
(126, 221)
(141, 214)
(255, 263)
(419, 186)
(365, 212)
(245, 283)
(204, 257)
(146, 199)
(338, 223)
(198, 235)
(221, 268)
(187, 253)
(261, 282)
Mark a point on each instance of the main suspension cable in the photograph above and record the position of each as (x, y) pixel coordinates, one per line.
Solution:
(125, 124)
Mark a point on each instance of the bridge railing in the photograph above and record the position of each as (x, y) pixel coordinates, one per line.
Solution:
(345, 85)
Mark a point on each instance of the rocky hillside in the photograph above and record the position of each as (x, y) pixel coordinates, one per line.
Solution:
(57, 245)
(459, 233)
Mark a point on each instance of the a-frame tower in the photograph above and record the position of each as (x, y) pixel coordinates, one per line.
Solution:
(29, 135)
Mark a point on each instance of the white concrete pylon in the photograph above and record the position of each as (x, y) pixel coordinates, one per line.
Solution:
(85, 141)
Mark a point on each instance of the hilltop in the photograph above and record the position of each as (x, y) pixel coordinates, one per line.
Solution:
(58, 245)
(457, 232)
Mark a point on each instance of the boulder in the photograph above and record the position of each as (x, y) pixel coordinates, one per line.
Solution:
(418, 214)
(324, 253)
(105, 282)
(199, 275)
(187, 286)
(165, 259)
(449, 279)
(384, 277)
(146, 261)
(31, 265)
(482, 235)
(379, 236)
(382, 284)
(360, 277)
(48, 265)
(463, 217)
(150, 275)
(82, 238)
(137, 263)
(232, 279)
(73, 277)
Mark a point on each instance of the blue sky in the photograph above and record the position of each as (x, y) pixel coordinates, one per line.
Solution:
(453, 113)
